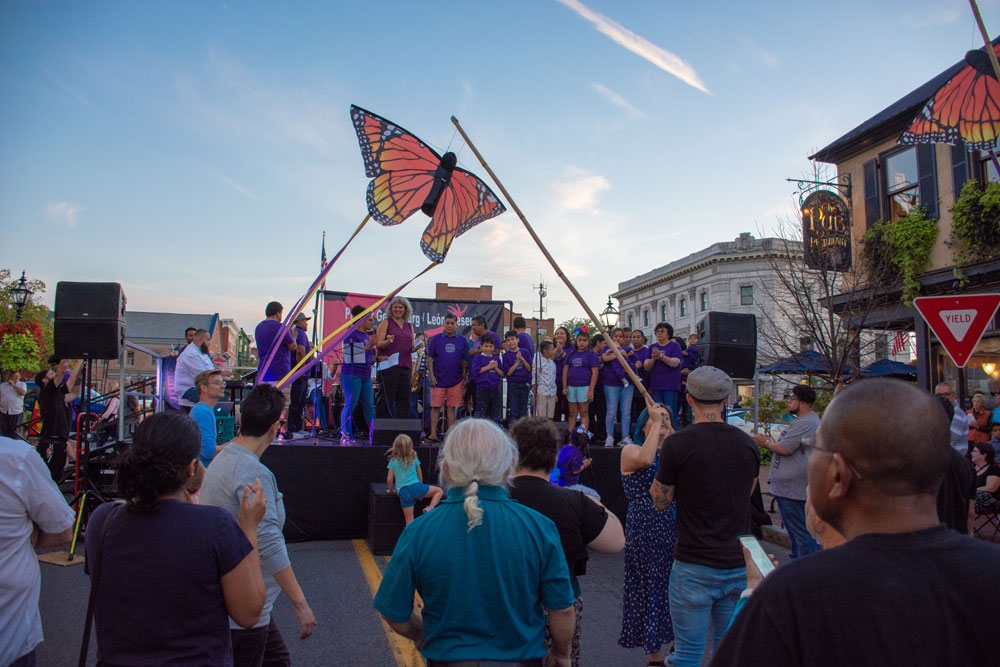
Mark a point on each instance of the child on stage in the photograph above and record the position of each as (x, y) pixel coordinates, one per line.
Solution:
(487, 371)
(544, 380)
(617, 389)
(579, 379)
(406, 479)
(518, 371)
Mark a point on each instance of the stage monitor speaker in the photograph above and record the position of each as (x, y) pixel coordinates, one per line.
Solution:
(89, 320)
(386, 430)
(728, 341)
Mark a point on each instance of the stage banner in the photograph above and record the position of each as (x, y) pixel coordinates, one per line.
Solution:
(428, 315)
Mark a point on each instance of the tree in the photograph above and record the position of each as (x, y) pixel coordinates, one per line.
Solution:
(574, 322)
(19, 352)
(36, 319)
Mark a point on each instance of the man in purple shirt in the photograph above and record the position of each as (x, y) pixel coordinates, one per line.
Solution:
(518, 371)
(664, 369)
(447, 359)
(479, 330)
(269, 333)
(300, 388)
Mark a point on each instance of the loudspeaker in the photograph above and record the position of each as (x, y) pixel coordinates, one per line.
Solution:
(385, 519)
(89, 320)
(728, 341)
(386, 430)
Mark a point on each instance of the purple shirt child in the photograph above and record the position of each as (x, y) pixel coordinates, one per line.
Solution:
(662, 376)
(523, 373)
(580, 364)
(570, 459)
(488, 379)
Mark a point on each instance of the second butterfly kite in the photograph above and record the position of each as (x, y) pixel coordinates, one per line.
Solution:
(408, 175)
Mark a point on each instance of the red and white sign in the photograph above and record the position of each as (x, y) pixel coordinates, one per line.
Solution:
(219, 361)
(958, 321)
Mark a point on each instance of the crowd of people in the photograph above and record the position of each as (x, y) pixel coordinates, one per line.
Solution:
(877, 504)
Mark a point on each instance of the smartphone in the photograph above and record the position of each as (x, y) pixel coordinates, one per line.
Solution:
(757, 554)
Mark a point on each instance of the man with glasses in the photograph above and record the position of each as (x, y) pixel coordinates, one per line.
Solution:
(959, 422)
(789, 468)
(211, 388)
(904, 589)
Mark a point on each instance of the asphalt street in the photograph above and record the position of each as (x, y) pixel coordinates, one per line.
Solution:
(338, 578)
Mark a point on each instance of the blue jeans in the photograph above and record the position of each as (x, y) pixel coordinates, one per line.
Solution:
(517, 401)
(669, 398)
(613, 398)
(699, 596)
(355, 389)
(793, 518)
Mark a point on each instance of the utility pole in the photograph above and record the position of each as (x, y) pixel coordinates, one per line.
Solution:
(542, 293)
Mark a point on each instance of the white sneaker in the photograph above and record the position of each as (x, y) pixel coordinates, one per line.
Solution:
(609, 441)
(626, 441)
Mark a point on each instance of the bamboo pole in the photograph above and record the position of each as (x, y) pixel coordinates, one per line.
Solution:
(559, 272)
(986, 38)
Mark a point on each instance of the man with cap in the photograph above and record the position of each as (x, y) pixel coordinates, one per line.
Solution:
(710, 468)
(300, 388)
(789, 468)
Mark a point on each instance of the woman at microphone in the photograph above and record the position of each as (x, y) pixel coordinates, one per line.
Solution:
(395, 336)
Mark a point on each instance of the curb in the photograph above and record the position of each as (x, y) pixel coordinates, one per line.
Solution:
(776, 535)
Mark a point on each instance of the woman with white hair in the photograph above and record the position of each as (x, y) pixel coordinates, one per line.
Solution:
(486, 567)
(395, 336)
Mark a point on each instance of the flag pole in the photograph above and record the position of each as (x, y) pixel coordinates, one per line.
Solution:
(541, 246)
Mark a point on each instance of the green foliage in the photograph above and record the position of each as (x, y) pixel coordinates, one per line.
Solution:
(905, 244)
(19, 352)
(34, 312)
(575, 322)
(823, 399)
(976, 224)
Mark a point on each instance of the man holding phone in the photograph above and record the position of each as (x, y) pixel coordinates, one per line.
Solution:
(903, 589)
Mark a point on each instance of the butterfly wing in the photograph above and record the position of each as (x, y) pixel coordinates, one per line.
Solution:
(401, 166)
(465, 203)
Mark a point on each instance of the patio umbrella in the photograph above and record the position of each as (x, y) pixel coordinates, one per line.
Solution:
(888, 367)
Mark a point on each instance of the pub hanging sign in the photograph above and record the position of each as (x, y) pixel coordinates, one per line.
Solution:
(826, 231)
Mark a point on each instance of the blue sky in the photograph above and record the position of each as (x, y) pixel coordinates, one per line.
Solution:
(195, 152)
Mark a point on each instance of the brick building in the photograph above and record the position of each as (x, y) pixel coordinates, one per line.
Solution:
(446, 292)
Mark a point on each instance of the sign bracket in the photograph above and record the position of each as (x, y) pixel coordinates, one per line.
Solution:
(804, 187)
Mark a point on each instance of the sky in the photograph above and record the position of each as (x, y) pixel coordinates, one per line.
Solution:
(196, 152)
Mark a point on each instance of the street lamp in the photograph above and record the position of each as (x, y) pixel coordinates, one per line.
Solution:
(21, 294)
(610, 315)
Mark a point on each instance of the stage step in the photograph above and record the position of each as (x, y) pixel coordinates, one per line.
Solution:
(385, 518)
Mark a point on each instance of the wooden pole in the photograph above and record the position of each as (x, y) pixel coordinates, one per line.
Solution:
(596, 320)
(986, 38)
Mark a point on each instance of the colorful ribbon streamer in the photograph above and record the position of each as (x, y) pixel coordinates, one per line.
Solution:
(310, 293)
(347, 328)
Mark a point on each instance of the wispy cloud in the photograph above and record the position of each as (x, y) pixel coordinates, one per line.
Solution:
(616, 99)
(61, 85)
(233, 184)
(669, 62)
(63, 213)
(579, 190)
(762, 55)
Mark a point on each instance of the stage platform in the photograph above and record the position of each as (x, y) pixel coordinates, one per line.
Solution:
(325, 485)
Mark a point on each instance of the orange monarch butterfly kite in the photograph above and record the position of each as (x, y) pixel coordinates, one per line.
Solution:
(407, 175)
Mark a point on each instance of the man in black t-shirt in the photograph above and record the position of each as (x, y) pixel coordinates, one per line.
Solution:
(53, 405)
(956, 497)
(904, 589)
(583, 522)
(710, 468)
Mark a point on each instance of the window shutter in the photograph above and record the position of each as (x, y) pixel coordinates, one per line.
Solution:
(927, 177)
(873, 209)
(959, 167)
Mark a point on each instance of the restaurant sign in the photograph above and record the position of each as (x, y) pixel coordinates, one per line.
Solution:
(826, 231)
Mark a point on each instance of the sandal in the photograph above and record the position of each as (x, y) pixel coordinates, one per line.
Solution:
(432, 439)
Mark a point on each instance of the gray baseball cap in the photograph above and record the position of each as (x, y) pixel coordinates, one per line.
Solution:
(709, 385)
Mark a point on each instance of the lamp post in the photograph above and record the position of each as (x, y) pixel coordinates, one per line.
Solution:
(21, 294)
(610, 315)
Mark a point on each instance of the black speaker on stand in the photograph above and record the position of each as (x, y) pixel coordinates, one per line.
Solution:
(89, 320)
(728, 341)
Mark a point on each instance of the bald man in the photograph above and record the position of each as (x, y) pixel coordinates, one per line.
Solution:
(904, 589)
(959, 421)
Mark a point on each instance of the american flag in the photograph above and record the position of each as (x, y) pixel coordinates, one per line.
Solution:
(900, 342)
(322, 260)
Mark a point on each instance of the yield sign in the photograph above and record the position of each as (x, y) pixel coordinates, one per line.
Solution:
(958, 321)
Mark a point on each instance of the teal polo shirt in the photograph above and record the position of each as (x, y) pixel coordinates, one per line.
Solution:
(484, 590)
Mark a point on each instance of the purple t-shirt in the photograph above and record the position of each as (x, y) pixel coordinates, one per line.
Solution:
(521, 375)
(690, 361)
(489, 378)
(160, 601)
(355, 338)
(301, 338)
(580, 364)
(448, 353)
(570, 459)
(612, 373)
(496, 341)
(267, 336)
(663, 377)
(525, 342)
(559, 366)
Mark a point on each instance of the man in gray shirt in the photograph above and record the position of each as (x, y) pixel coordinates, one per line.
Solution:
(234, 467)
(789, 468)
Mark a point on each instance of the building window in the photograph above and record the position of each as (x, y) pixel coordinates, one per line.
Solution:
(881, 348)
(703, 304)
(630, 320)
(901, 181)
(805, 343)
(746, 295)
(663, 313)
(987, 168)
(683, 307)
(645, 318)
(130, 359)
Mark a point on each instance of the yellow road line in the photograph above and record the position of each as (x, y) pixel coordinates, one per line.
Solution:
(402, 648)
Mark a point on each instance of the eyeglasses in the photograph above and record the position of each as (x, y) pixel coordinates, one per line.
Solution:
(838, 454)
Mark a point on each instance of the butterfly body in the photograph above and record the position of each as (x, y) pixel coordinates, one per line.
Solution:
(408, 175)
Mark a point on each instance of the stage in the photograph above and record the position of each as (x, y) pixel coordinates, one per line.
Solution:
(325, 486)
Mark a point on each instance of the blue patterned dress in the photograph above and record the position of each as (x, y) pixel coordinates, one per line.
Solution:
(649, 555)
